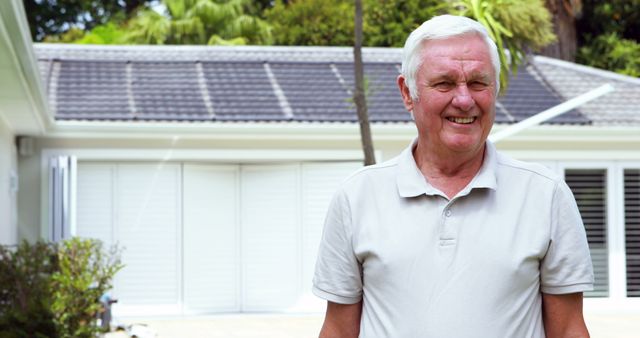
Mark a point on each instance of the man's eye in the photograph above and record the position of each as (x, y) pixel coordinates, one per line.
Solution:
(477, 85)
(443, 85)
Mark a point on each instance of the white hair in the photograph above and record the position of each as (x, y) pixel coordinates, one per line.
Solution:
(439, 28)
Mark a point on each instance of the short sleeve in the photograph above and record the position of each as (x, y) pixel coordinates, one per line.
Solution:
(566, 267)
(338, 275)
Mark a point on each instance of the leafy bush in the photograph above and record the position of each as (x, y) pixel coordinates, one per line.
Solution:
(49, 290)
(84, 273)
(331, 22)
(25, 296)
(609, 51)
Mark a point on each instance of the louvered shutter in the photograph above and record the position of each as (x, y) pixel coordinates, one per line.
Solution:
(95, 202)
(211, 251)
(590, 190)
(148, 214)
(632, 230)
(270, 236)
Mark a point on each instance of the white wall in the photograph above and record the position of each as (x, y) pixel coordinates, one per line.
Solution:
(29, 221)
(8, 160)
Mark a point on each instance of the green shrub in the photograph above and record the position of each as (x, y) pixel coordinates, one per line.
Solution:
(84, 273)
(609, 51)
(49, 290)
(25, 296)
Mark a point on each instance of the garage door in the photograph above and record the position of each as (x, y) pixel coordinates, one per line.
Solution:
(137, 206)
(211, 254)
(202, 238)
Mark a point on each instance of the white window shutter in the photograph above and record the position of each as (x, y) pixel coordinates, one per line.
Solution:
(62, 185)
(632, 230)
(211, 251)
(95, 196)
(270, 237)
(148, 216)
(590, 190)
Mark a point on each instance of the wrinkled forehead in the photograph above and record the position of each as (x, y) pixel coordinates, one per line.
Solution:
(467, 52)
(470, 44)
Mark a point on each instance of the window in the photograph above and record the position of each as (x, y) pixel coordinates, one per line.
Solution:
(632, 230)
(590, 191)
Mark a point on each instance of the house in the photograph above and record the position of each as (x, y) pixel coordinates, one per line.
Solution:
(213, 166)
(22, 108)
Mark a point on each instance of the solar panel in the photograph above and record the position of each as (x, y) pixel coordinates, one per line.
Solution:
(314, 91)
(241, 91)
(254, 91)
(384, 102)
(92, 90)
(526, 97)
(502, 114)
(167, 90)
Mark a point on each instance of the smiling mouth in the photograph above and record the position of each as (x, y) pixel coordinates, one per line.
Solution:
(461, 120)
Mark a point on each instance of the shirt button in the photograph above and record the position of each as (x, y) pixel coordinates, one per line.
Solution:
(447, 213)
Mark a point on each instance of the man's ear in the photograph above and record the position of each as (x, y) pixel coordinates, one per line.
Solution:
(404, 91)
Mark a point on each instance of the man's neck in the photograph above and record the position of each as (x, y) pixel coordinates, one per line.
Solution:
(447, 171)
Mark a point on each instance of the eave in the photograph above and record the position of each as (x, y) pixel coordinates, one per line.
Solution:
(23, 103)
(543, 134)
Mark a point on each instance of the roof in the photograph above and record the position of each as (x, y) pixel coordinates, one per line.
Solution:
(258, 84)
(621, 107)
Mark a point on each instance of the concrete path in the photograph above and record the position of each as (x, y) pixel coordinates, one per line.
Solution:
(307, 326)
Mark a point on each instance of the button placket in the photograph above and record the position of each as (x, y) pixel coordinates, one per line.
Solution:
(447, 233)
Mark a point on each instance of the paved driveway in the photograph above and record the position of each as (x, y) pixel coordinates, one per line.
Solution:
(307, 326)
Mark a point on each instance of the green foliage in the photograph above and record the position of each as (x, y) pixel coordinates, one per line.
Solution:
(24, 290)
(72, 35)
(612, 16)
(258, 7)
(609, 51)
(51, 290)
(84, 274)
(312, 22)
(388, 23)
(198, 22)
(106, 34)
(54, 17)
(514, 25)
(529, 22)
(331, 22)
(149, 28)
(608, 35)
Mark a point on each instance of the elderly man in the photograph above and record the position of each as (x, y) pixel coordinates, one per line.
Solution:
(452, 238)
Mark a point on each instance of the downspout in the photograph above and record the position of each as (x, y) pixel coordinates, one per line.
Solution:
(550, 113)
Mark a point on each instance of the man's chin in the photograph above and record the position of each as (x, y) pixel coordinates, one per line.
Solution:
(465, 144)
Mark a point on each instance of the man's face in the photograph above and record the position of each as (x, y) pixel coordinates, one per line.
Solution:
(456, 95)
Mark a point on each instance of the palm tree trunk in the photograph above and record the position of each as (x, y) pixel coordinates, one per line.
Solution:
(358, 95)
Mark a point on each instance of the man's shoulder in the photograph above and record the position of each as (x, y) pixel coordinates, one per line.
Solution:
(519, 168)
(380, 173)
(371, 178)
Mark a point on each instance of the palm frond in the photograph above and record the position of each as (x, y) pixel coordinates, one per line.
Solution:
(217, 40)
(188, 31)
(148, 27)
(255, 30)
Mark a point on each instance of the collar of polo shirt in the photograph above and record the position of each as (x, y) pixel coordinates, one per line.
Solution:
(411, 182)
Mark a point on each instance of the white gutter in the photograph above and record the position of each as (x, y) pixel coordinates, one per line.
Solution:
(30, 116)
(550, 113)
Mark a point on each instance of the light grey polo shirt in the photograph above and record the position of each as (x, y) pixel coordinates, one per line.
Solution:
(472, 266)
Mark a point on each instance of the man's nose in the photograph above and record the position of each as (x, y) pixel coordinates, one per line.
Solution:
(462, 98)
